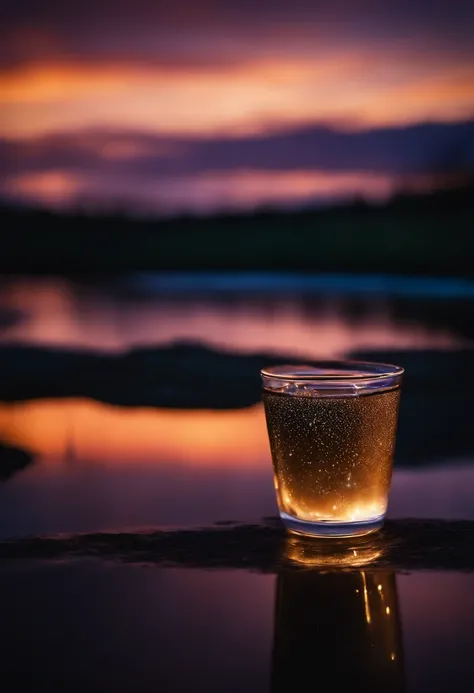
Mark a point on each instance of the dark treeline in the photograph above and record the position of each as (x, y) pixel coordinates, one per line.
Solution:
(431, 234)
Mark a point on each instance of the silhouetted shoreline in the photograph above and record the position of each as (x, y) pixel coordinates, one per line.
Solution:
(12, 460)
(425, 234)
(435, 403)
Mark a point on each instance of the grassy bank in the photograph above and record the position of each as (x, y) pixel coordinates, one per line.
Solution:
(431, 235)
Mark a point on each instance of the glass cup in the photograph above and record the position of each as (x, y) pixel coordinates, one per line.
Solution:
(332, 433)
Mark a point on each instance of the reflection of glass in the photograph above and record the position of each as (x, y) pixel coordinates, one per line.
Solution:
(332, 436)
(339, 631)
(353, 552)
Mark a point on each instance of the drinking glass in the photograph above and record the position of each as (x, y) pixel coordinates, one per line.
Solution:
(332, 430)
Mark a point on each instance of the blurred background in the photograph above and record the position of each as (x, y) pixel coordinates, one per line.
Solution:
(154, 108)
(193, 190)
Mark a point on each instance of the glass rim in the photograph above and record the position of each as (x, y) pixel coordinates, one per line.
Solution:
(333, 370)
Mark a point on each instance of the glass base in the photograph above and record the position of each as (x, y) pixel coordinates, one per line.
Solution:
(331, 529)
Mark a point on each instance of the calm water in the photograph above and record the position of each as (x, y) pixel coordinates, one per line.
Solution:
(78, 626)
(71, 460)
(95, 465)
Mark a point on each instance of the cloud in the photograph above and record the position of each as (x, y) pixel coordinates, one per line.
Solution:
(194, 103)
(147, 171)
(213, 32)
(353, 87)
(415, 149)
(221, 66)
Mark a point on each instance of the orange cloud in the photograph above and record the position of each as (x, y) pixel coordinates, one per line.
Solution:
(351, 86)
(243, 189)
(224, 190)
(53, 188)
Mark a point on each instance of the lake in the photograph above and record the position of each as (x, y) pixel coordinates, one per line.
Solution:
(132, 402)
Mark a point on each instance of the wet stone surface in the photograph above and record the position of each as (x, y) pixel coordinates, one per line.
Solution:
(401, 545)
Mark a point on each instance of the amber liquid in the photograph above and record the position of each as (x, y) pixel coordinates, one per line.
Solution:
(332, 456)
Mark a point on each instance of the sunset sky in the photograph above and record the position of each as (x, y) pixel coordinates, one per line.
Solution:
(206, 104)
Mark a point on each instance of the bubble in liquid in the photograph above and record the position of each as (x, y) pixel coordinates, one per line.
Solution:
(332, 455)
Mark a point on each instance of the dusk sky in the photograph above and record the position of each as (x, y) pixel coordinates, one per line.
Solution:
(206, 105)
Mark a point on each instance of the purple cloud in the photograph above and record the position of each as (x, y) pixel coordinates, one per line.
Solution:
(411, 150)
(216, 31)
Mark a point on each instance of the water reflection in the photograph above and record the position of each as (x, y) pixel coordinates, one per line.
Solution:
(350, 552)
(75, 626)
(339, 628)
(88, 625)
(79, 465)
(100, 466)
(72, 430)
(62, 312)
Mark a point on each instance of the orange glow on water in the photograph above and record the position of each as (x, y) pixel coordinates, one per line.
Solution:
(88, 431)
